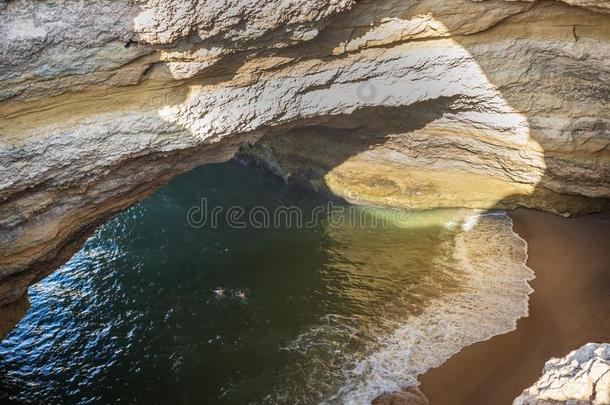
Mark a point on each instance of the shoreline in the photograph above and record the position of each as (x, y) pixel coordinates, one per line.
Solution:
(570, 306)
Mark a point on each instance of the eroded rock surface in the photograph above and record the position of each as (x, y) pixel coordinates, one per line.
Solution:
(409, 396)
(418, 104)
(580, 378)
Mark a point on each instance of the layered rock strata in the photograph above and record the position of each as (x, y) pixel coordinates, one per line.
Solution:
(580, 378)
(416, 104)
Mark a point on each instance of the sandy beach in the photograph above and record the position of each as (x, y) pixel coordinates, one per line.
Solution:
(570, 306)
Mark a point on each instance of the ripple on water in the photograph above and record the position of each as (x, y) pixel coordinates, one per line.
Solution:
(329, 313)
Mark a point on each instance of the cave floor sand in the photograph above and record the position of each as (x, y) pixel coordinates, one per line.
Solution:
(570, 306)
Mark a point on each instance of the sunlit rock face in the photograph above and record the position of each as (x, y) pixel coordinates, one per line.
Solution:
(415, 104)
(580, 378)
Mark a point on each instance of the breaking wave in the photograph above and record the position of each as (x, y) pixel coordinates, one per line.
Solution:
(490, 260)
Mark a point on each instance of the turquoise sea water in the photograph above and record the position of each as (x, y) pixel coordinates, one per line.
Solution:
(153, 309)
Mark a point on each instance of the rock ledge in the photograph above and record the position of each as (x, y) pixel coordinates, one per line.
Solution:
(582, 377)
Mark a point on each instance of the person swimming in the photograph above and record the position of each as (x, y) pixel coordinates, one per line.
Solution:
(219, 291)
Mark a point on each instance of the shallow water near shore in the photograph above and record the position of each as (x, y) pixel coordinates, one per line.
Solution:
(569, 308)
(162, 304)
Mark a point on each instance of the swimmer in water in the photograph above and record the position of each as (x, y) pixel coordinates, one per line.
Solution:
(220, 292)
(241, 294)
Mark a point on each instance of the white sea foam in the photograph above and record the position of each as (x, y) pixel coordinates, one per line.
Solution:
(493, 298)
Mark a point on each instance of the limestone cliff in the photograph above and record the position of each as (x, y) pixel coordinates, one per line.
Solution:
(582, 377)
(406, 103)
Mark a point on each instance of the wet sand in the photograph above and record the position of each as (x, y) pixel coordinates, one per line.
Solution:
(569, 307)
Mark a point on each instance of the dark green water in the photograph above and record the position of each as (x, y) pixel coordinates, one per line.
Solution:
(134, 315)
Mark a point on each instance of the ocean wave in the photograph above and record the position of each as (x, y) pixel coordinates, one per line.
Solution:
(494, 294)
